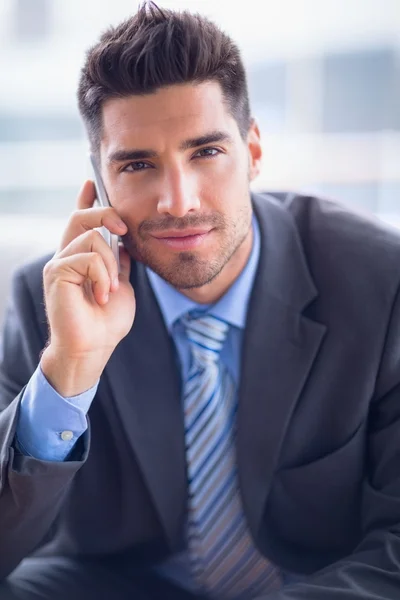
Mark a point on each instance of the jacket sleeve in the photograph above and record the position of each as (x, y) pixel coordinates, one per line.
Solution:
(31, 490)
(372, 571)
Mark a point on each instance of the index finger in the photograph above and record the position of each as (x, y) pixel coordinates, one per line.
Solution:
(87, 195)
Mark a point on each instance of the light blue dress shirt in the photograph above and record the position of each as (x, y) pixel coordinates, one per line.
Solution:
(46, 417)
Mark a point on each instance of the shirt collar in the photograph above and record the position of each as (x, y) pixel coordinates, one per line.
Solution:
(232, 307)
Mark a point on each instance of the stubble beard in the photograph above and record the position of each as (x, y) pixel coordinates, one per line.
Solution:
(187, 270)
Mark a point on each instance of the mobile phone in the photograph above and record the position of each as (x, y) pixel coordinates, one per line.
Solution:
(101, 197)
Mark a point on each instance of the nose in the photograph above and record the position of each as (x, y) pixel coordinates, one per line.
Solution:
(179, 195)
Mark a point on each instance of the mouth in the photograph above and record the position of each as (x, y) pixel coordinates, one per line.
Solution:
(186, 239)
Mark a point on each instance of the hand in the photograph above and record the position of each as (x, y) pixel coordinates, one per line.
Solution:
(89, 307)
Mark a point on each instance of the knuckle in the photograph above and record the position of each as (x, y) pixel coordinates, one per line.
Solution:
(51, 271)
(96, 260)
(48, 268)
(93, 236)
(75, 218)
(98, 244)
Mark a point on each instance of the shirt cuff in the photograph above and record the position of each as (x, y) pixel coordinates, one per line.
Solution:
(49, 425)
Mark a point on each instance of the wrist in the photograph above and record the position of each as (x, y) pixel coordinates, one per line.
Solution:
(71, 375)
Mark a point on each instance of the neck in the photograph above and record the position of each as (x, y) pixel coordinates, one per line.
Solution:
(213, 291)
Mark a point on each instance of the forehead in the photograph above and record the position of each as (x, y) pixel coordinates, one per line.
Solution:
(172, 113)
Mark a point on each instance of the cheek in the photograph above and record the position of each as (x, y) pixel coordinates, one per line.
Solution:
(229, 173)
(238, 171)
(131, 204)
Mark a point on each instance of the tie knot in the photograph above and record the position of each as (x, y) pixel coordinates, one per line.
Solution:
(206, 335)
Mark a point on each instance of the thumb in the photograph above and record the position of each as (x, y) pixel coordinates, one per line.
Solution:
(125, 264)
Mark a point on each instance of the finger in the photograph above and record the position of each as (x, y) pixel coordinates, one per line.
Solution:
(79, 268)
(125, 264)
(87, 195)
(93, 241)
(90, 218)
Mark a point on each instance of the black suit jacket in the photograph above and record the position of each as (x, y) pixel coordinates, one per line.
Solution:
(318, 419)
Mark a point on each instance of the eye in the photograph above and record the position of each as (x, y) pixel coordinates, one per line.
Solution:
(207, 152)
(136, 166)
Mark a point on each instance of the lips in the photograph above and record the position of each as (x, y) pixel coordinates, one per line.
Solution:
(186, 239)
(180, 233)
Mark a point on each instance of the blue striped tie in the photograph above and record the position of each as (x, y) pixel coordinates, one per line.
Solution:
(224, 560)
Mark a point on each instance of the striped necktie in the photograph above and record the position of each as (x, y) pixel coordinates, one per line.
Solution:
(224, 560)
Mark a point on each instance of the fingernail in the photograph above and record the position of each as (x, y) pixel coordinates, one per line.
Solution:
(106, 296)
(121, 224)
(116, 282)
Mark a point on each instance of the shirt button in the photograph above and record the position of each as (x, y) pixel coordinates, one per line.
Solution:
(66, 436)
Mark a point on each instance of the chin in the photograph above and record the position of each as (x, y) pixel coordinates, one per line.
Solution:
(188, 273)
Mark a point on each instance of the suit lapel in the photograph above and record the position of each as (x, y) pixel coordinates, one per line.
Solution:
(279, 348)
(145, 380)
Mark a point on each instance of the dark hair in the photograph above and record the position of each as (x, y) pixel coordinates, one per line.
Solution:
(156, 48)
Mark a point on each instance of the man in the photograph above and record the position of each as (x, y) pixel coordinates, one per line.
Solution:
(221, 419)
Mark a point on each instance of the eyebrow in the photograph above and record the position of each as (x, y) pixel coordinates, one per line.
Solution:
(212, 137)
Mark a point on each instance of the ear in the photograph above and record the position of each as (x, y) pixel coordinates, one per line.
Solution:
(254, 148)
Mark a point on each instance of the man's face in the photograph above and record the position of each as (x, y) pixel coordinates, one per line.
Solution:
(177, 171)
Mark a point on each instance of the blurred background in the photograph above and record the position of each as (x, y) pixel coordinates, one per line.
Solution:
(324, 78)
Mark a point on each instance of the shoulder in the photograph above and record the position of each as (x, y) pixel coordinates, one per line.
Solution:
(314, 215)
(334, 234)
(353, 258)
